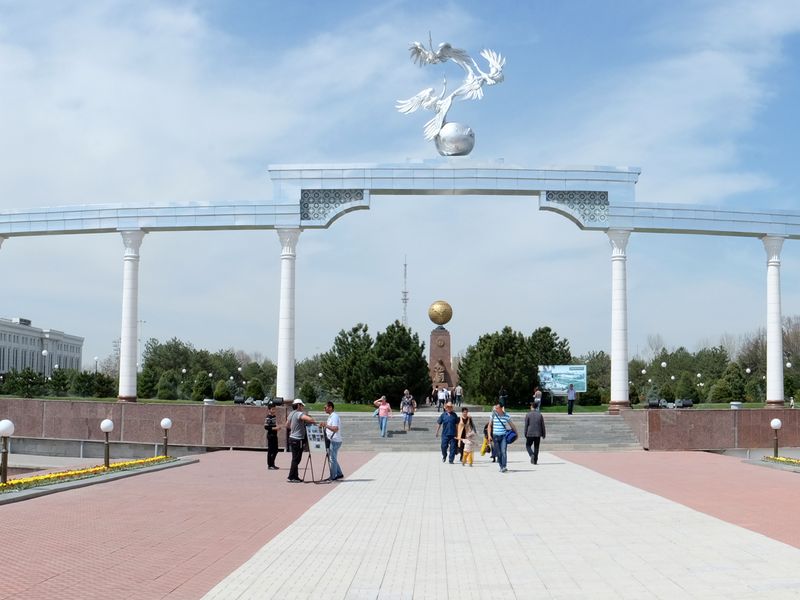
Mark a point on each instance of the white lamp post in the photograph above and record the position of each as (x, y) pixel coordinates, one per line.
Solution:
(106, 426)
(95, 364)
(776, 425)
(44, 363)
(166, 425)
(6, 431)
(663, 365)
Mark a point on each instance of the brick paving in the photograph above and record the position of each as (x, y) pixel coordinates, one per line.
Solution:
(632, 525)
(752, 496)
(170, 534)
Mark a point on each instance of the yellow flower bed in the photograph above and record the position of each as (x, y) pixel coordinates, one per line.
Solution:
(47, 478)
(782, 460)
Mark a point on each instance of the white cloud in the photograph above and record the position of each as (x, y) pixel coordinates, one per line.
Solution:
(113, 102)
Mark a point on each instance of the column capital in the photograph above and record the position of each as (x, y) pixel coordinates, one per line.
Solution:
(132, 238)
(288, 239)
(773, 244)
(619, 240)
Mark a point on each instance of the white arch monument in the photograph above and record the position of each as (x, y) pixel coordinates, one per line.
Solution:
(313, 196)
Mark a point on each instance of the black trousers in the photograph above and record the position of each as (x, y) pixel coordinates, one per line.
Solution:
(570, 404)
(272, 448)
(535, 452)
(296, 446)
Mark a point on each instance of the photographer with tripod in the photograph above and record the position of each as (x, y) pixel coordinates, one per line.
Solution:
(296, 424)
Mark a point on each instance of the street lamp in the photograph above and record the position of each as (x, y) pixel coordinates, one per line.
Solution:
(44, 363)
(663, 365)
(644, 371)
(6, 431)
(95, 365)
(166, 425)
(788, 364)
(776, 425)
(747, 370)
(106, 426)
(211, 383)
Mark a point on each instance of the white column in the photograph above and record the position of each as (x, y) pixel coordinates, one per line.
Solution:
(285, 383)
(773, 245)
(2, 239)
(619, 320)
(130, 315)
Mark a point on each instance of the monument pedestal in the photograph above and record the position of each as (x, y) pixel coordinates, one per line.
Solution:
(440, 365)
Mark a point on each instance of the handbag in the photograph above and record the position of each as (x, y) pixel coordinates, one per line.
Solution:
(511, 436)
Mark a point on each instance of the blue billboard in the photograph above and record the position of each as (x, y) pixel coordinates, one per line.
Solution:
(556, 378)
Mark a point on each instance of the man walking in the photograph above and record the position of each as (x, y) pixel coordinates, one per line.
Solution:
(441, 398)
(570, 398)
(333, 431)
(458, 395)
(448, 424)
(499, 425)
(296, 424)
(534, 432)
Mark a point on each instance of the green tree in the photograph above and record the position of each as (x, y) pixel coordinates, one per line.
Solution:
(254, 389)
(59, 381)
(105, 386)
(397, 362)
(734, 377)
(754, 391)
(686, 388)
(345, 367)
(25, 383)
(711, 363)
(667, 392)
(501, 359)
(222, 391)
(308, 392)
(168, 385)
(598, 373)
(82, 384)
(721, 392)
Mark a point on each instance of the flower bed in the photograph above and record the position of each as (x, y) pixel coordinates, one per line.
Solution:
(22, 483)
(782, 460)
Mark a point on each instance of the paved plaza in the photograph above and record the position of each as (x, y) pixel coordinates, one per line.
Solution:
(405, 525)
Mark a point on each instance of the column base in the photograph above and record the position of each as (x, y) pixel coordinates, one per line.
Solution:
(775, 404)
(126, 399)
(615, 407)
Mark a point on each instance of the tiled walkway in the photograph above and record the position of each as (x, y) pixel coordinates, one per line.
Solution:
(409, 526)
(404, 525)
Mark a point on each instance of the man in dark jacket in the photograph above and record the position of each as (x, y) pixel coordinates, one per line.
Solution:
(271, 425)
(534, 432)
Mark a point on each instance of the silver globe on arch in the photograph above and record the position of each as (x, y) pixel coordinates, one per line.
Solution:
(451, 139)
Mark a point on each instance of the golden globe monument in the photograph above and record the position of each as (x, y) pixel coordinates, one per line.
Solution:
(439, 363)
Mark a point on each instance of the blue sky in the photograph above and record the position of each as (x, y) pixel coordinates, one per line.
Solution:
(114, 102)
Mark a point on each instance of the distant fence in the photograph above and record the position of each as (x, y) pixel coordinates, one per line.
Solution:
(692, 429)
(213, 426)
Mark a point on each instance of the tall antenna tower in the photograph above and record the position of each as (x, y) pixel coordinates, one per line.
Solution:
(404, 293)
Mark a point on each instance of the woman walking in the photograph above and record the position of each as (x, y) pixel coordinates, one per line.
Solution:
(384, 412)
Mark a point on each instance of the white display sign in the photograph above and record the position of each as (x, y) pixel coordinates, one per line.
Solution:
(556, 378)
(316, 439)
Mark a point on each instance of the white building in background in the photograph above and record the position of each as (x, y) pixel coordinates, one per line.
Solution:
(22, 346)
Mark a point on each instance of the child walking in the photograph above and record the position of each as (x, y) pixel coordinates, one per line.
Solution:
(468, 440)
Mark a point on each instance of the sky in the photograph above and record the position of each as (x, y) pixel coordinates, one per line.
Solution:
(190, 101)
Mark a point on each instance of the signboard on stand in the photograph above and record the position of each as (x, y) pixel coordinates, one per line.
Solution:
(316, 439)
(556, 378)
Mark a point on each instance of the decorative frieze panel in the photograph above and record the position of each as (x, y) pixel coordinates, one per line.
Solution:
(592, 207)
(319, 205)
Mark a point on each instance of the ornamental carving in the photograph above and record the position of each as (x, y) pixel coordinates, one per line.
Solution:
(592, 207)
(319, 205)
